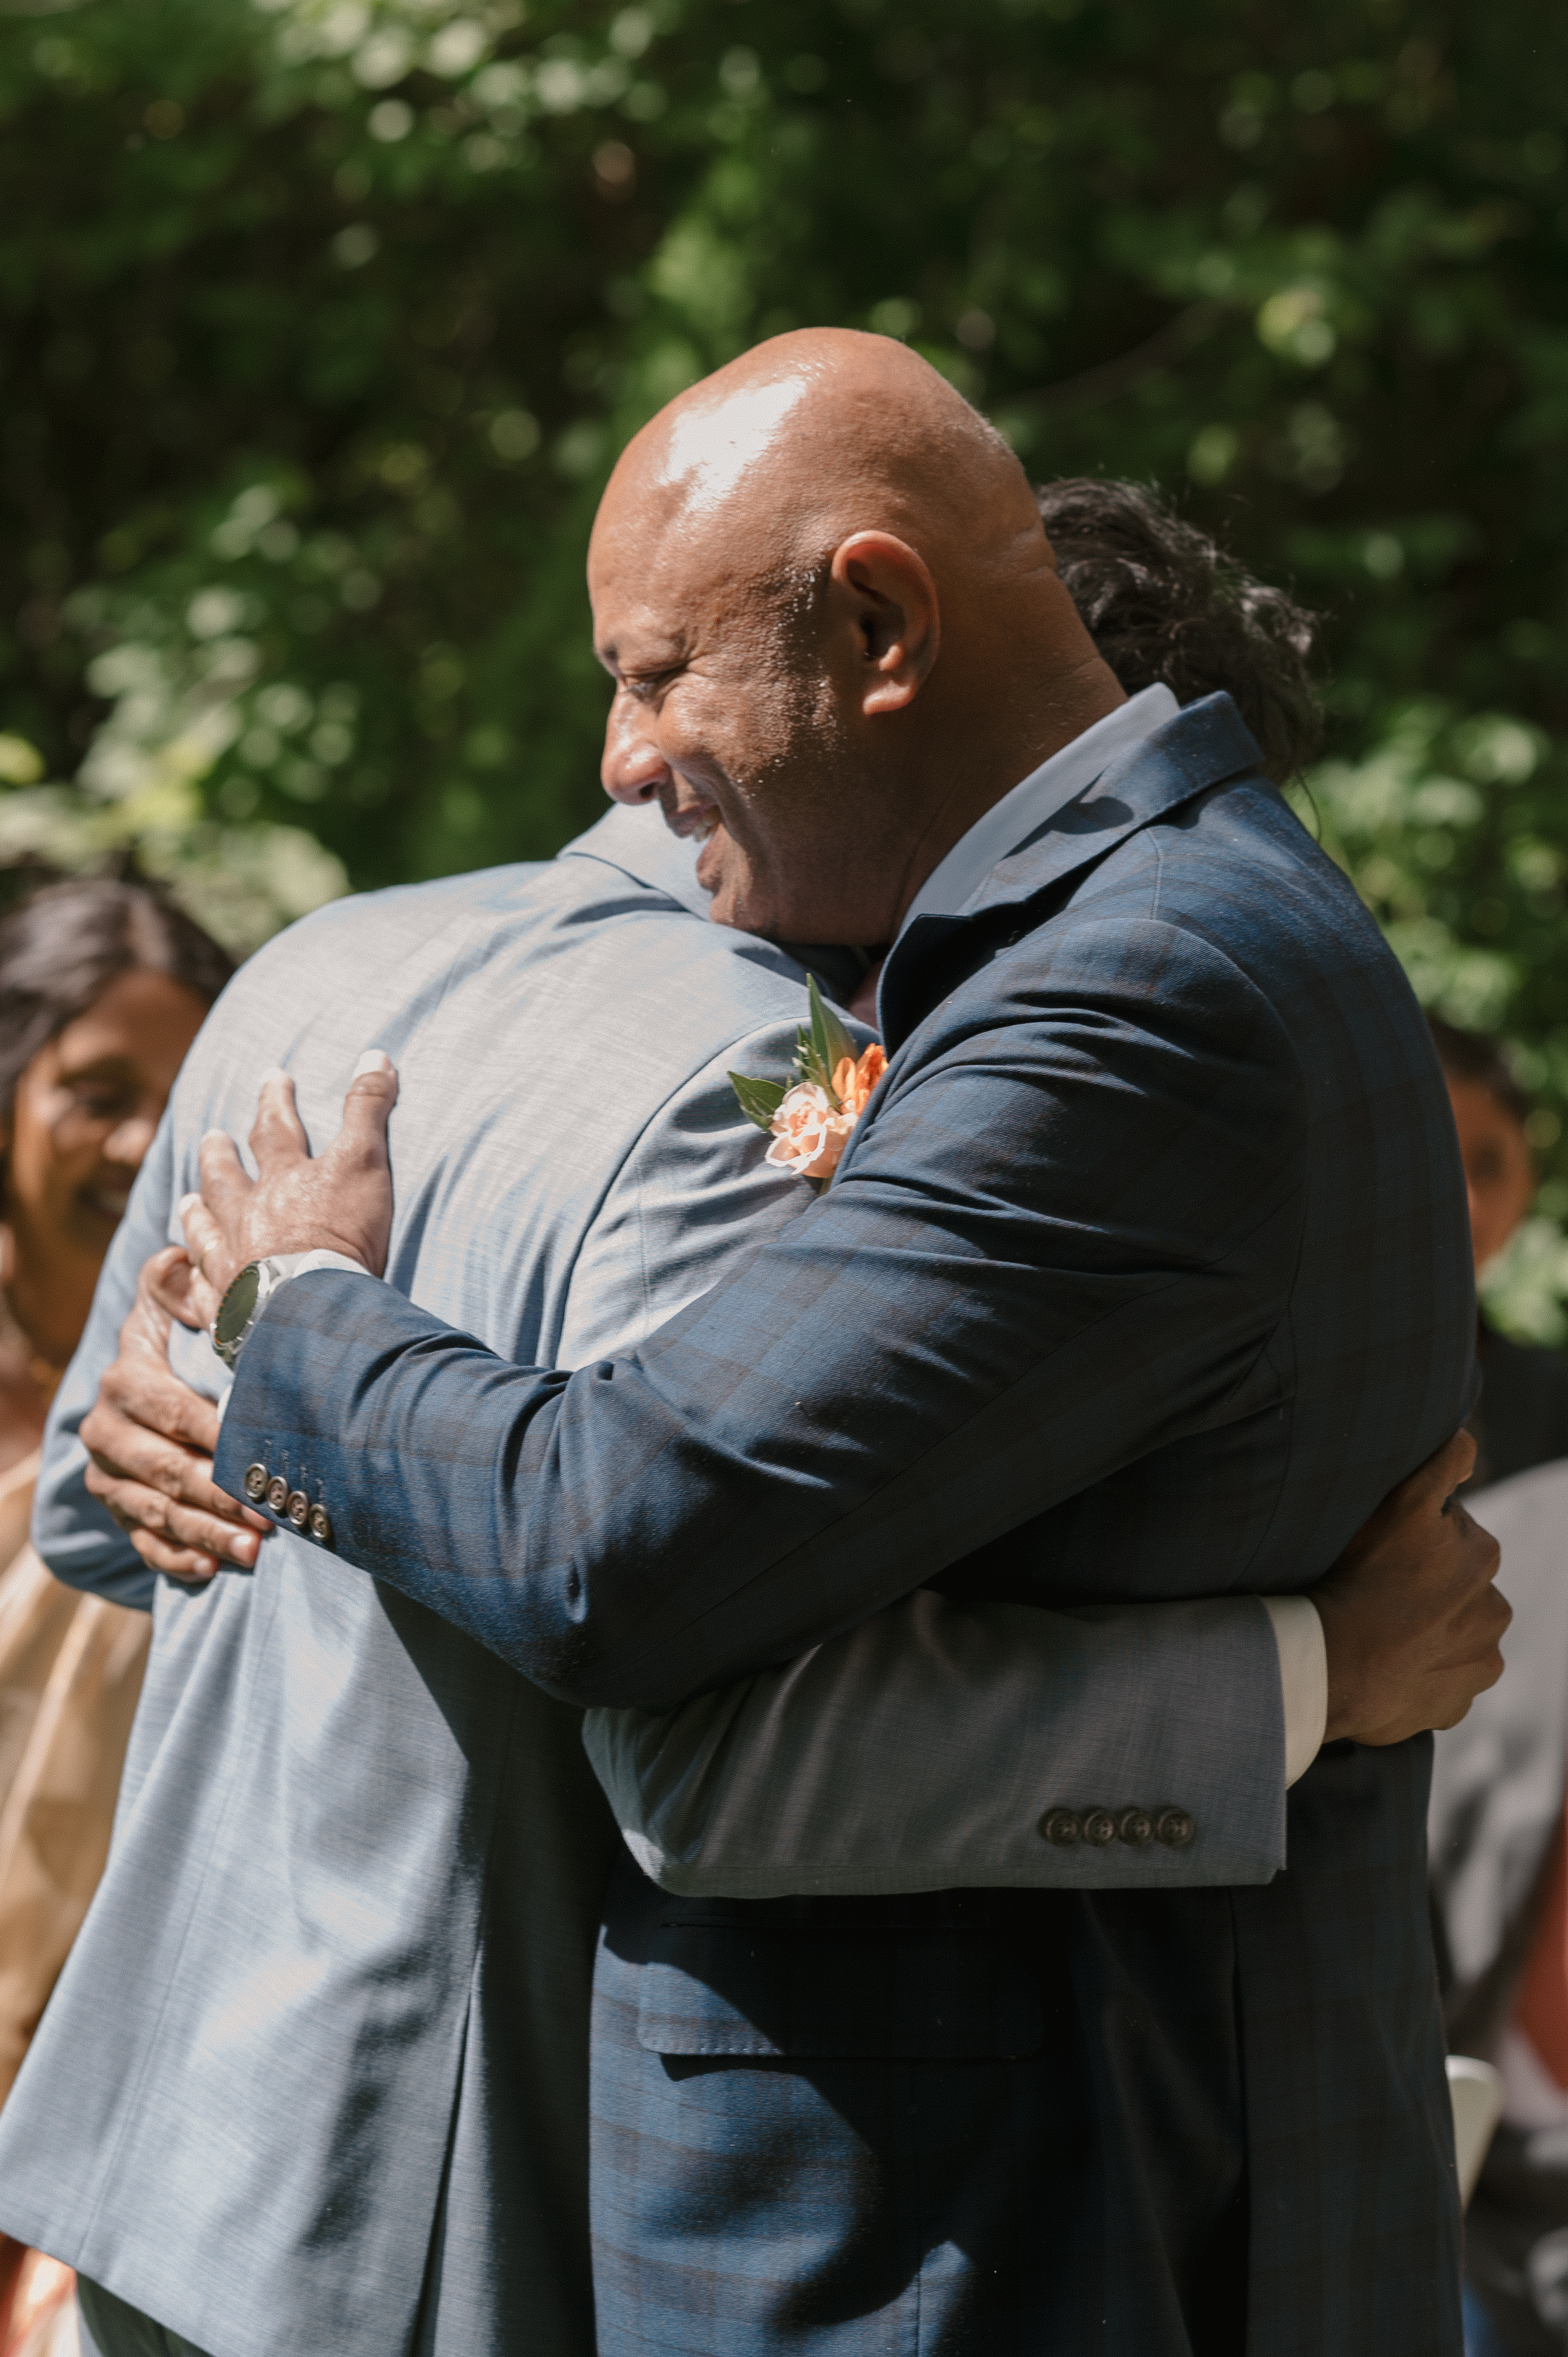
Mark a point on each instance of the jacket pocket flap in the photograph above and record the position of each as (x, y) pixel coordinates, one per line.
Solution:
(717, 1990)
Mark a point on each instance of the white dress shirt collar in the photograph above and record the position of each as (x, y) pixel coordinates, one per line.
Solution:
(1020, 813)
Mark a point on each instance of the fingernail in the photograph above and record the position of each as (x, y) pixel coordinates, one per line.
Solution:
(374, 1059)
(273, 1072)
(188, 1203)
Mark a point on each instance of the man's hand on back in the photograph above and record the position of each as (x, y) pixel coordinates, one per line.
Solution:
(150, 1438)
(1410, 1619)
(338, 1201)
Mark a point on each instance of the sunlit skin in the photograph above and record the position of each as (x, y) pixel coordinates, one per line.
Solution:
(837, 634)
(1500, 1172)
(85, 1111)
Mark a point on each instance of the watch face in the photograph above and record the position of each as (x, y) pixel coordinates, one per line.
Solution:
(237, 1307)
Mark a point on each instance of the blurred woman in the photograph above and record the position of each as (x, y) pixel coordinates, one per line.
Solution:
(1522, 1419)
(103, 988)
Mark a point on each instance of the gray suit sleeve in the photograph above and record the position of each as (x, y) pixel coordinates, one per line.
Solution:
(921, 1751)
(77, 1537)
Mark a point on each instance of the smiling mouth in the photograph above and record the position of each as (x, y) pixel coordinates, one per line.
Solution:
(108, 1202)
(695, 823)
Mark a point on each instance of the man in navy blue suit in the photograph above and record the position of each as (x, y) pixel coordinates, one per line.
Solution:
(1145, 1274)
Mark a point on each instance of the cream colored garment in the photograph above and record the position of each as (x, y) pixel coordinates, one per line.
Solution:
(71, 1672)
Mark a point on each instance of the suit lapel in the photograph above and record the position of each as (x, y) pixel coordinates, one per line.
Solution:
(1202, 746)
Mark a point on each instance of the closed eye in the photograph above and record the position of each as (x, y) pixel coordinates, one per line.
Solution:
(646, 688)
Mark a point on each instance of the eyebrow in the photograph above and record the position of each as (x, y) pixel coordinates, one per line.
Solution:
(105, 1064)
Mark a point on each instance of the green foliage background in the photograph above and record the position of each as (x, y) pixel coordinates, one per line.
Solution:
(323, 320)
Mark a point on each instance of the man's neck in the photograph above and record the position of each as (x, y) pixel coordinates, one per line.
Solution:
(974, 778)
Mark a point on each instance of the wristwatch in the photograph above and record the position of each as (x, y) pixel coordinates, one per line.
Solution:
(242, 1304)
(254, 1287)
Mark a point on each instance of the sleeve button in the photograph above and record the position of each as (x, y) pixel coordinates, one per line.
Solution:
(1062, 1827)
(296, 1507)
(1173, 1827)
(277, 1493)
(1099, 1828)
(321, 1525)
(1135, 1827)
(256, 1478)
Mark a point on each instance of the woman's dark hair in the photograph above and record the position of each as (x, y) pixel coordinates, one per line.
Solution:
(1478, 1058)
(1163, 602)
(60, 950)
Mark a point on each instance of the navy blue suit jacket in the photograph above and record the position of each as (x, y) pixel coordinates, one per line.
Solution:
(1146, 1275)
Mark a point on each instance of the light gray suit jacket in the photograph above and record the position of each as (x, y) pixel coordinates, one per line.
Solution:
(1498, 1777)
(315, 2075)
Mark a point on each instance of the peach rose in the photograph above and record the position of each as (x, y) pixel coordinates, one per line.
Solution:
(809, 1136)
(853, 1083)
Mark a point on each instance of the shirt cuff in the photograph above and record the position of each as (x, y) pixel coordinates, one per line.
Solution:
(286, 1264)
(1304, 1678)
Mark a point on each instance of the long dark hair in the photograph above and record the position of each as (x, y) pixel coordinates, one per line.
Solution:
(1164, 602)
(60, 950)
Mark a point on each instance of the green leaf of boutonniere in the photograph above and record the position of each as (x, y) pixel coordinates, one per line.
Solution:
(758, 1099)
(824, 1044)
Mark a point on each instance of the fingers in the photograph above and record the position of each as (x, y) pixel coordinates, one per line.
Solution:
(164, 1456)
(180, 1563)
(190, 1544)
(169, 1287)
(213, 1256)
(1479, 1551)
(226, 1185)
(145, 1406)
(367, 1107)
(277, 1134)
(1454, 1463)
(1415, 1503)
(1432, 1485)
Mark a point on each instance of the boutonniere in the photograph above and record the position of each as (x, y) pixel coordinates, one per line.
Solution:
(809, 1121)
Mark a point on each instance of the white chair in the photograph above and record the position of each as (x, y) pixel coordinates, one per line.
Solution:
(1476, 2091)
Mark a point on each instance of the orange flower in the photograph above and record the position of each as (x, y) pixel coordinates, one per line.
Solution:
(853, 1082)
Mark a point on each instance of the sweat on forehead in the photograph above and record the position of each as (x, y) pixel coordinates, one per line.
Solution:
(820, 432)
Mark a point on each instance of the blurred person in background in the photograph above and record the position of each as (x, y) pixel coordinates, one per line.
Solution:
(103, 985)
(1498, 1841)
(1522, 1419)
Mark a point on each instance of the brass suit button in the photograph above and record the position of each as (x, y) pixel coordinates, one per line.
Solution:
(1174, 1828)
(1061, 1827)
(256, 1483)
(321, 1525)
(1099, 1828)
(298, 1509)
(1136, 1828)
(277, 1493)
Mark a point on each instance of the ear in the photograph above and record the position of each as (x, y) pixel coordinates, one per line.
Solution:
(890, 601)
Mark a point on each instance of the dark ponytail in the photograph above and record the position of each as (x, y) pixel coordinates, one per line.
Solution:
(1165, 603)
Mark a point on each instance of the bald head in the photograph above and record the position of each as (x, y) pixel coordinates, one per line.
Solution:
(788, 559)
(814, 436)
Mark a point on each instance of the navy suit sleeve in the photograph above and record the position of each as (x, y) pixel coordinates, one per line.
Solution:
(1062, 1239)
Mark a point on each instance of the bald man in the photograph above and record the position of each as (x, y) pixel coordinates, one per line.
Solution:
(1148, 1257)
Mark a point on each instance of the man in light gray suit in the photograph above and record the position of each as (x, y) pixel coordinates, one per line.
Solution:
(315, 2074)
(1497, 1833)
